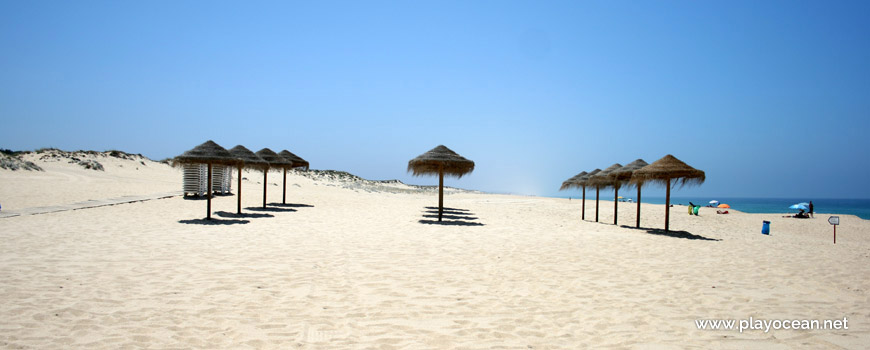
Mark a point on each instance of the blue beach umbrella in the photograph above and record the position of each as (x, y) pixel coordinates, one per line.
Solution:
(799, 206)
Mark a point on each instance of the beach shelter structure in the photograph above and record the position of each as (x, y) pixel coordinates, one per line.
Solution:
(604, 180)
(209, 153)
(568, 184)
(664, 171)
(583, 181)
(248, 160)
(275, 161)
(580, 181)
(623, 175)
(800, 206)
(575, 182)
(440, 160)
(298, 162)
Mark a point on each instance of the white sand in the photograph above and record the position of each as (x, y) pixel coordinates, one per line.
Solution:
(356, 269)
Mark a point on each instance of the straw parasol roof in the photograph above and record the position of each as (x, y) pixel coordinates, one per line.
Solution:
(623, 174)
(249, 159)
(666, 169)
(440, 160)
(274, 159)
(570, 183)
(581, 181)
(207, 153)
(662, 172)
(603, 179)
(298, 162)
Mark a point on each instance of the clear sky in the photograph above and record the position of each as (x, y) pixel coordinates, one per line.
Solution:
(770, 98)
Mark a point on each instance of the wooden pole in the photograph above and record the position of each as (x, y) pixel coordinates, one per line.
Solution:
(239, 194)
(440, 193)
(208, 206)
(596, 203)
(835, 234)
(583, 206)
(265, 182)
(638, 205)
(284, 197)
(615, 203)
(668, 206)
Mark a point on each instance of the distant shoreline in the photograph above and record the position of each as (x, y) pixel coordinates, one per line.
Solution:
(773, 206)
(754, 205)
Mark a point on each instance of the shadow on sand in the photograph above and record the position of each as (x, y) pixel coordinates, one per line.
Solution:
(291, 205)
(202, 198)
(675, 234)
(449, 217)
(213, 222)
(446, 209)
(450, 212)
(271, 209)
(226, 214)
(450, 223)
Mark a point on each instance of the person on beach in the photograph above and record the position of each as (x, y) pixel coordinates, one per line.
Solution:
(811, 209)
(801, 215)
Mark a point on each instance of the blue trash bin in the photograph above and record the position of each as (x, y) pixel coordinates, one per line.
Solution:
(765, 227)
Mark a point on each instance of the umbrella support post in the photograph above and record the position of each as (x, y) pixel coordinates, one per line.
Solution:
(440, 194)
(208, 206)
(668, 206)
(583, 205)
(596, 202)
(240, 191)
(265, 183)
(615, 204)
(284, 197)
(638, 206)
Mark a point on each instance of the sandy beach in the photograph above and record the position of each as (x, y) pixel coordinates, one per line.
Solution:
(352, 265)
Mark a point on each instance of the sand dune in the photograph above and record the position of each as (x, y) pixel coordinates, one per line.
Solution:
(342, 267)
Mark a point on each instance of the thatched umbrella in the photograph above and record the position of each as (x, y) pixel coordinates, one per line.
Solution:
(275, 161)
(584, 181)
(568, 184)
(207, 153)
(623, 175)
(248, 160)
(298, 162)
(579, 181)
(440, 160)
(663, 171)
(603, 180)
(572, 182)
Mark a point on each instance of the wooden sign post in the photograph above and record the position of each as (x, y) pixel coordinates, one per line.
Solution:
(834, 220)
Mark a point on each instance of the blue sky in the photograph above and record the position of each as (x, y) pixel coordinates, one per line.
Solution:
(770, 98)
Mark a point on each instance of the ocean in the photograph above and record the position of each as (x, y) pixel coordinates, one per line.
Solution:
(857, 207)
(822, 206)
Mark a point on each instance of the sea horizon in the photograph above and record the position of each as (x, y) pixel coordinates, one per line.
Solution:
(859, 207)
